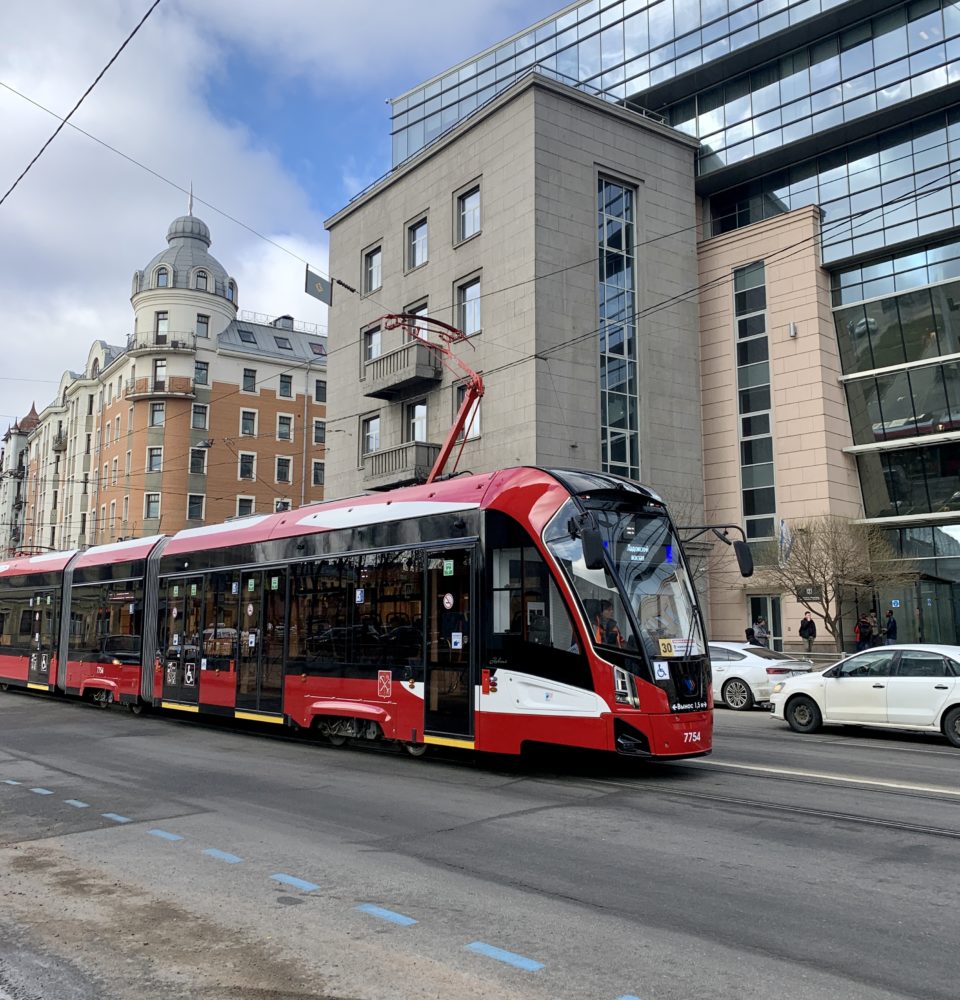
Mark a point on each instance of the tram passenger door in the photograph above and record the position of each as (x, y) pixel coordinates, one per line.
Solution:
(183, 640)
(262, 635)
(449, 687)
(42, 639)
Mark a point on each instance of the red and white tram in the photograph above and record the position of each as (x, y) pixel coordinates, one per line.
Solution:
(484, 612)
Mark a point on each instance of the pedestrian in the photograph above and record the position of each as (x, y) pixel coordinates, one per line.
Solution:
(751, 637)
(877, 638)
(761, 633)
(863, 633)
(890, 629)
(808, 630)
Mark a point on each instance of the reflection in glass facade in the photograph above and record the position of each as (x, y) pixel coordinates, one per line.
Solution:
(753, 402)
(616, 295)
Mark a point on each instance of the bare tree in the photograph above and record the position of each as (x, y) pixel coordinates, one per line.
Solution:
(827, 560)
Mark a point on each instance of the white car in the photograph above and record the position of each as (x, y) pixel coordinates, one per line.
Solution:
(890, 687)
(744, 675)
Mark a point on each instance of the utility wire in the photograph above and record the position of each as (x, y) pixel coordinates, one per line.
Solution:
(83, 97)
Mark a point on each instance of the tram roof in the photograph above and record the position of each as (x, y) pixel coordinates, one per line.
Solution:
(116, 552)
(46, 562)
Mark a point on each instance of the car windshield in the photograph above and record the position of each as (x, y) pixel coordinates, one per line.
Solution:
(650, 577)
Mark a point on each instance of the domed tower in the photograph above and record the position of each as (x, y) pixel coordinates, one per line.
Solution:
(184, 294)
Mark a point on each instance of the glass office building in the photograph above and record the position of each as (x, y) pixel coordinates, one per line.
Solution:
(847, 105)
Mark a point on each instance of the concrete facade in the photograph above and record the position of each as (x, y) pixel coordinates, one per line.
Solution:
(536, 153)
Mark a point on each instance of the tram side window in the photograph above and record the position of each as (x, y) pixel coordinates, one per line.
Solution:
(322, 594)
(388, 622)
(15, 635)
(85, 605)
(221, 614)
(531, 628)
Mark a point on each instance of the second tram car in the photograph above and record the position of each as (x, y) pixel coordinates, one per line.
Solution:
(482, 612)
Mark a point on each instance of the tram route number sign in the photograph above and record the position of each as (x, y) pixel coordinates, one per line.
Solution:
(384, 683)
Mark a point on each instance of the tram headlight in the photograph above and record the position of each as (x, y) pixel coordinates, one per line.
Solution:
(624, 688)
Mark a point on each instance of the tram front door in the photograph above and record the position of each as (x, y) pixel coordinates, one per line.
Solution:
(449, 686)
(183, 640)
(263, 596)
(42, 639)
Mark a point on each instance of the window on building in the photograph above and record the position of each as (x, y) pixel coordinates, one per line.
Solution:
(86, 447)
(320, 391)
(415, 421)
(468, 307)
(203, 325)
(160, 375)
(318, 473)
(154, 459)
(201, 372)
(244, 506)
(231, 292)
(163, 277)
(319, 432)
(417, 247)
(283, 343)
(754, 402)
(114, 474)
(284, 428)
(113, 516)
(127, 459)
(130, 420)
(116, 428)
(370, 435)
(126, 510)
(199, 420)
(86, 484)
(156, 414)
(151, 505)
(161, 326)
(371, 344)
(286, 386)
(249, 380)
(107, 432)
(201, 282)
(419, 310)
(468, 214)
(248, 462)
(471, 429)
(248, 423)
(283, 470)
(195, 507)
(372, 275)
(247, 336)
(198, 461)
(318, 348)
(83, 522)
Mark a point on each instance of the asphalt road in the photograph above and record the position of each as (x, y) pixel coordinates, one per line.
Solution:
(177, 860)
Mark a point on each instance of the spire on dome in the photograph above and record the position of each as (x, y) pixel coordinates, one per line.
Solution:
(190, 202)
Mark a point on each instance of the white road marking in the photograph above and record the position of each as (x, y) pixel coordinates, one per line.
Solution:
(899, 786)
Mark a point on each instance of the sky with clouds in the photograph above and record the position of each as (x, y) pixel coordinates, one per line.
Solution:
(274, 112)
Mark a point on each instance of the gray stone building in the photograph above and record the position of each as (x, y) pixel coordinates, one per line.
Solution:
(497, 228)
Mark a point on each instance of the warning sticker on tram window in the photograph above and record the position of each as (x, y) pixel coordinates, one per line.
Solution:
(274, 582)
(448, 567)
(173, 613)
(359, 596)
(661, 670)
(249, 610)
(448, 601)
(176, 591)
(234, 587)
(456, 640)
(251, 584)
(193, 590)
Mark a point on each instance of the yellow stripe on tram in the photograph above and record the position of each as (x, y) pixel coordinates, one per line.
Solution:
(178, 707)
(443, 741)
(257, 717)
(39, 687)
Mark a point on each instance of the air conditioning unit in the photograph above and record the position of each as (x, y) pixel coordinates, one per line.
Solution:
(281, 505)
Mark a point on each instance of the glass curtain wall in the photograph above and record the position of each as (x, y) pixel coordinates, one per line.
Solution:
(616, 295)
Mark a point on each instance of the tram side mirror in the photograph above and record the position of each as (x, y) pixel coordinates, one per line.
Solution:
(592, 548)
(744, 558)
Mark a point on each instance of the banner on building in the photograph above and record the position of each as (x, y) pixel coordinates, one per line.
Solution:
(320, 288)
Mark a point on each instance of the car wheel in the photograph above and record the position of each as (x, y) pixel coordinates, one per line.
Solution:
(951, 726)
(737, 695)
(802, 715)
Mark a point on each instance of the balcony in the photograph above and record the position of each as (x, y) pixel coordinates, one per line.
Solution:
(59, 442)
(407, 463)
(146, 342)
(402, 372)
(176, 387)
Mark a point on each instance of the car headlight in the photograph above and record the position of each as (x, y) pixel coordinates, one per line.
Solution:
(778, 687)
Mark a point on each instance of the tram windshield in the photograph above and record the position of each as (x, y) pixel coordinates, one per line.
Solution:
(651, 580)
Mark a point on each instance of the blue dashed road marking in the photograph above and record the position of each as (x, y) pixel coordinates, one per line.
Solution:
(10, 781)
(116, 817)
(231, 859)
(297, 883)
(628, 996)
(41, 791)
(164, 835)
(518, 961)
(77, 804)
(383, 914)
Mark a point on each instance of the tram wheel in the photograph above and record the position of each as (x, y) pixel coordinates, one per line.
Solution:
(136, 707)
(336, 739)
(415, 749)
(4, 686)
(102, 699)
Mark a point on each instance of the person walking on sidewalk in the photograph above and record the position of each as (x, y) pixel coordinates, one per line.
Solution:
(808, 631)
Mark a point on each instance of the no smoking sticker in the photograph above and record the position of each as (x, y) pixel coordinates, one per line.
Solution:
(448, 601)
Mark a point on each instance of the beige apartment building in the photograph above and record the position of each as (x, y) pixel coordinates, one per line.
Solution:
(203, 413)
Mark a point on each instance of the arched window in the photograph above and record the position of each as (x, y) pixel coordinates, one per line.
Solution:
(202, 280)
(163, 277)
(95, 371)
(231, 291)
